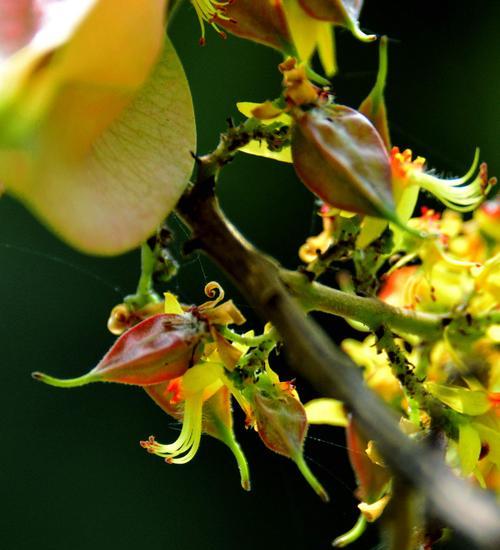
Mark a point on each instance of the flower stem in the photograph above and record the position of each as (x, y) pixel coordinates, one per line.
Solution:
(145, 293)
(310, 477)
(251, 341)
(66, 383)
(352, 535)
(369, 311)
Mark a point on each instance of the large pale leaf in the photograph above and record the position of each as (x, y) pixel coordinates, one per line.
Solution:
(99, 161)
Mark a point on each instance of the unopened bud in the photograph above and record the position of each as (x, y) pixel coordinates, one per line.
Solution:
(157, 349)
(262, 21)
(340, 156)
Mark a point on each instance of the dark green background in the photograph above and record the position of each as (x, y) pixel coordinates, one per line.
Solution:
(72, 474)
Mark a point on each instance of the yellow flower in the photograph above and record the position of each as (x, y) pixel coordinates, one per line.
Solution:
(462, 194)
(197, 385)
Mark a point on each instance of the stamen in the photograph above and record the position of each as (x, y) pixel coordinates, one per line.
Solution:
(211, 11)
(459, 194)
(184, 448)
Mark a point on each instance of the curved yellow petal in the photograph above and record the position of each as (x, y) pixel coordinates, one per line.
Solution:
(326, 411)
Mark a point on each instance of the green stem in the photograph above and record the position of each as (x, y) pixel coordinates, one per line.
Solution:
(69, 382)
(310, 477)
(251, 341)
(242, 463)
(378, 90)
(352, 535)
(370, 311)
(145, 293)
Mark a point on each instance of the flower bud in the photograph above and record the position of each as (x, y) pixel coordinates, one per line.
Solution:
(340, 156)
(263, 21)
(344, 13)
(157, 349)
(280, 419)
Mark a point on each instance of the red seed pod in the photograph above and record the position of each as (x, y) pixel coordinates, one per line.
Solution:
(157, 349)
(263, 21)
(340, 156)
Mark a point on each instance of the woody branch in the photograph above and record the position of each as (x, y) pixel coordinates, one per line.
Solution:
(315, 358)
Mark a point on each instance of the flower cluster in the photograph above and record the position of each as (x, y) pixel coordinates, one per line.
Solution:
(449, 383)
(192, 365)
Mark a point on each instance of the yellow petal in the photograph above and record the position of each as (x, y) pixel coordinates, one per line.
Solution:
(326, 48)
(172, 304)
(260, 149)
(203, 378)
(326, 411)
(304, 29)
(462, 400)
(248, 107)
(374, 455)
(373, 511)
(469, 448)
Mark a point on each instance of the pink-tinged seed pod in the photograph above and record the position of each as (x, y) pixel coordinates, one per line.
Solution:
(157, 349)
(263, 21)
(340, 156)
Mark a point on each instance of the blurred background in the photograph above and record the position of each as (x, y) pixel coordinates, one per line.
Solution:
(72, 473)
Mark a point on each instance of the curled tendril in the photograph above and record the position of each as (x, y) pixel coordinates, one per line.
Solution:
(212, 290)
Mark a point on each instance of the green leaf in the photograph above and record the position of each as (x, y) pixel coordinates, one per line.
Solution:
(326, 411)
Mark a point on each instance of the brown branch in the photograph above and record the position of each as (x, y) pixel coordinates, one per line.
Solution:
(313, 356)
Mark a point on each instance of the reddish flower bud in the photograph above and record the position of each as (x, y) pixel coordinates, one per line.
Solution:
(281, 421)
(157, 349)
(262, 21)
(340, 157)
